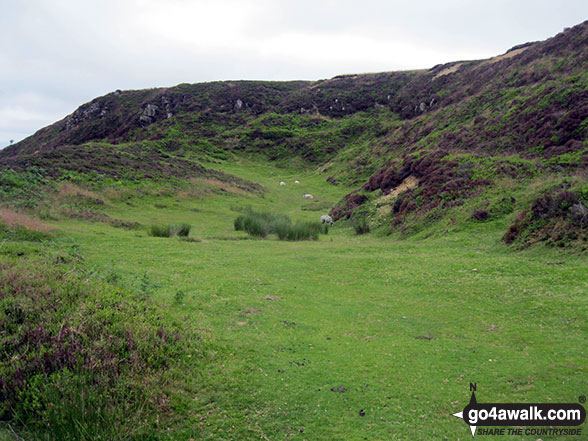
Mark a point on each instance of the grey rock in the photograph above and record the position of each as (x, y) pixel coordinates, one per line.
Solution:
(579, 214)
(149, 114)
(150, 110)
(93, 110)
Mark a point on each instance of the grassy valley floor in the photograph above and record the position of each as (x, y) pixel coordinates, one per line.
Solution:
(349, 337)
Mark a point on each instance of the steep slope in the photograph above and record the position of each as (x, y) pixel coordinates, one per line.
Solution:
(521, 117)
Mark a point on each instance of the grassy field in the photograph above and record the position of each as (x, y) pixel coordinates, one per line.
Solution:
(349, 337)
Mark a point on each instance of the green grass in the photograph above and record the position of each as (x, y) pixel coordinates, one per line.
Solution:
(403, 326)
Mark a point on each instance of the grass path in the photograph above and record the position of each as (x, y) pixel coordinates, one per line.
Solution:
(309, 335)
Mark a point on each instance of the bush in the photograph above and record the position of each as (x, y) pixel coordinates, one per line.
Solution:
(558, 217)
(361, 226)
(256, 226)
(480, 215)
(304, 231)
(282, 228)
(240, 223)
(579, 215)
(160, 230)
(262, 224)
(182, 230)
(169, 230)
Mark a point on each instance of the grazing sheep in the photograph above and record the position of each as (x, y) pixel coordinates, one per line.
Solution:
(282, 183)
(307, 196)
(297, 182)
(326, 219)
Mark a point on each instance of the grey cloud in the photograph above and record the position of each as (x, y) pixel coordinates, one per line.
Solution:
(66, 52)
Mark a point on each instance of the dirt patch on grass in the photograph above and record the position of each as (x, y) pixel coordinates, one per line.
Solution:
(510, 54)
(383, 203)
(19, 220)
(67, 189)
(408, 183)
(224, 186)
(449, 70)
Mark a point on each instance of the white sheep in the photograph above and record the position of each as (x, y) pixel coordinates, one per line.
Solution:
(326, 219)
(307, 196)
(297, 182)
(282, 183)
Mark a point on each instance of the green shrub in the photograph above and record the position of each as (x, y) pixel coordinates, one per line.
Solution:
(361, 226)
(169, 230)
(261, 224)
(182, 230)
(240, 223)
(282, 228)
(256, 226)
(304, 231)
(160, 230)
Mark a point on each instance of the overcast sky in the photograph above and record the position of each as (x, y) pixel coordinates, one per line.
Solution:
(58, 54)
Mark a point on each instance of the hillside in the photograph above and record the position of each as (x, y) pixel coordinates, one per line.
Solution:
(433, 139)
(162, 275)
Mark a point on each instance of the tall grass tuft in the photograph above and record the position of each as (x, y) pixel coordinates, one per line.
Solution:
(182, 230)
(256, 226)
(240, 223)
(160, 230)
(169, 230)
(262, 224)
(361, 226)
(282, 227)
(304, 231)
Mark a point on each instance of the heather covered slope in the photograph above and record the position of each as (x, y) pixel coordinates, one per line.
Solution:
(456, 131)
(510, 122)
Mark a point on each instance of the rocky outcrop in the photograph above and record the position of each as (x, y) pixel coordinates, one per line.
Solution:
(93, 110)
(149, 114)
